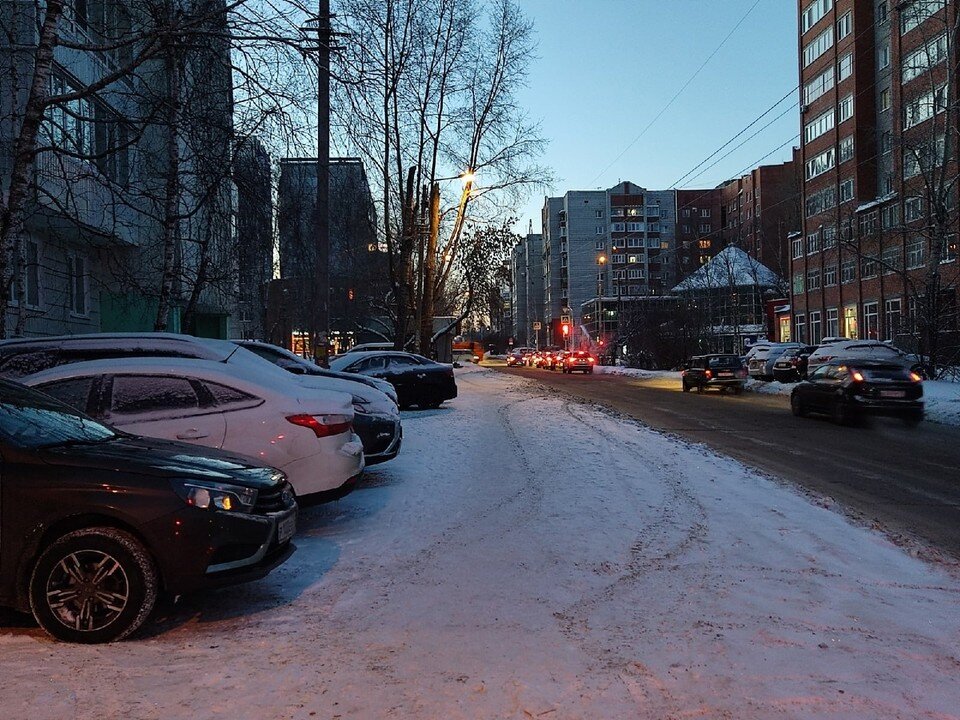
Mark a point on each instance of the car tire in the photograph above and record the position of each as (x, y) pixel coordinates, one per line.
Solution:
(79, 558)
(686, 388)
(796, 407)
(839, 413)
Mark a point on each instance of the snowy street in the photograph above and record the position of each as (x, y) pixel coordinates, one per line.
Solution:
(531, 556)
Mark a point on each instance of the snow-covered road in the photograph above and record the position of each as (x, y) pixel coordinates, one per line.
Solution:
(527, 556)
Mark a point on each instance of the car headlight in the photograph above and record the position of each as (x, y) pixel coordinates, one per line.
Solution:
(208, 495)
(359, 404)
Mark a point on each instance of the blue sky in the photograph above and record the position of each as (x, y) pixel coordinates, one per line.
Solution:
(606, 68)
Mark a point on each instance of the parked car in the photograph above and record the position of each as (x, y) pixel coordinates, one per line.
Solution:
(291, 362)
(791, 366)
(305, 432)
(579, 361)
(96, 522)
(724, 372)
(847, 390)
(376, 418)
(418, 380)
(762, 356)
(855, 350)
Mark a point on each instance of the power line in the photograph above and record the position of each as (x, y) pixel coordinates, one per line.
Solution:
(739, 134)
(678, 93)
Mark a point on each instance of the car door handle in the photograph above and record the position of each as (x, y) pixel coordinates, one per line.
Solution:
(192, 434)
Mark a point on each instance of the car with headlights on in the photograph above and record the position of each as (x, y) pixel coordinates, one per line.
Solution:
(266, 415)
(848, 390)
(96, 522)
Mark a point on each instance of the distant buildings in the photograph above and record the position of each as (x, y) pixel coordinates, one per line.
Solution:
(252, 175)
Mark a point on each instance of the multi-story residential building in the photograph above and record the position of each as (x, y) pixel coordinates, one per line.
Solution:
(615, 243)
(528, 290)
(93, 245)
(358, 265)
(252, 173)
(699, 228)
(879, 94)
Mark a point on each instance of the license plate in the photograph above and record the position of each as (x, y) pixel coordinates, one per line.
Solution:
(286, 528)
(893, 393)
(730, 374)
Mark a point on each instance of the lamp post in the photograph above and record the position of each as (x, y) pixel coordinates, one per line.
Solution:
(601, 262)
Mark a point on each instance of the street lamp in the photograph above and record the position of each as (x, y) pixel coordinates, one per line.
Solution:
(601, 261)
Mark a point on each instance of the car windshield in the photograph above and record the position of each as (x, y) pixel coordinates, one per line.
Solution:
(32, 420)
(725, 362)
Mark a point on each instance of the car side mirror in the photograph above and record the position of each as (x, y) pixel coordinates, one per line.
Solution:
(457, 365)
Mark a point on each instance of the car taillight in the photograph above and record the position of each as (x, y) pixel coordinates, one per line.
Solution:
(709, 374)
(857, 375)
(322, 425)
(591, 359)
(915, 377)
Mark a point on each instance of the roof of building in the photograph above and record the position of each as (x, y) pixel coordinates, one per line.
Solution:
(731, 267)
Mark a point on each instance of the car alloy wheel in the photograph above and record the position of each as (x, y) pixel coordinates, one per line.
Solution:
(93, 585)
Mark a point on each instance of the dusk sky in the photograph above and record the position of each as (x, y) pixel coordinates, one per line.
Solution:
(607, 68)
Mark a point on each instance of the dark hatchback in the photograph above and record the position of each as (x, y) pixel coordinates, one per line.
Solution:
(791, 366)
(418, 380)
(95, 522)
(725, 372)
(849, 390)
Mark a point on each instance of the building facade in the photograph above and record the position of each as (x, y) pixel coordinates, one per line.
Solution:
(877, 254)
(528, 289)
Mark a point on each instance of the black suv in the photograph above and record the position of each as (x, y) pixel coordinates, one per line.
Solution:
(725, 372)
(94, 522)
(847, 390)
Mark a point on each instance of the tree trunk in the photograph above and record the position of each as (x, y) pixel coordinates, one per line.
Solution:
(171, 209)
(429, 270)
(12, 215)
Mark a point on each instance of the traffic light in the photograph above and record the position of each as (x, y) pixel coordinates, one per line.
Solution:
(565, 328)
(350, 294)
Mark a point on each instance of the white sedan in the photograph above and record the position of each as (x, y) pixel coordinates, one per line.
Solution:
(306, 432)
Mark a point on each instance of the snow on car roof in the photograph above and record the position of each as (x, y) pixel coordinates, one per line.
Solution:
(212, 348)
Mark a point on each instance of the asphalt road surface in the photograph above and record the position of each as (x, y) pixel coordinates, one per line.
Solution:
(907, 479)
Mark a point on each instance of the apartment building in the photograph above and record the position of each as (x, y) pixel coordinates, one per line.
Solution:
(528, 289)
(878, 98)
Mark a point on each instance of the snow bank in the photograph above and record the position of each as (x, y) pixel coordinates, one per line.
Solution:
(636, 372)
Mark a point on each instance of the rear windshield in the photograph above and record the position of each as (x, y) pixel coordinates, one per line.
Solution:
(729, 361)
(886, 373)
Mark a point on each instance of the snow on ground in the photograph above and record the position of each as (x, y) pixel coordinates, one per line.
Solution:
(530, 556)
(941, 398)
(636, 372)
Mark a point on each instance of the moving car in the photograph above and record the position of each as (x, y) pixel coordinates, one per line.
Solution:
(725, 372)
(96, 522)
(418, 380)
(305, 432)
(848, 390)
(376, 419)
(514, 359)
(559, 357)
(791, 366)
(579, 361)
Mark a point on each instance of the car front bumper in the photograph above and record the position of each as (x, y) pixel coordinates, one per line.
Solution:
(381, 435)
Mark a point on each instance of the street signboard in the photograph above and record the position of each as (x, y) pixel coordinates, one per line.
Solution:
(567, 319)
(537, 326)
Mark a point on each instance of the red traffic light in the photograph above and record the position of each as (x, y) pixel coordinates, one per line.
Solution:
(565, 328)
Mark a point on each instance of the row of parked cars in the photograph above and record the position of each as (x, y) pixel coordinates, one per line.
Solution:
(567, 361)
(135, 464)
(844, 379)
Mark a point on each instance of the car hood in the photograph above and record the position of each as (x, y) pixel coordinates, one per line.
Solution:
(166, 459)
(375, 401)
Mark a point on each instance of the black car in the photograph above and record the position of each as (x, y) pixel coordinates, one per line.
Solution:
(791, 366)
(418, 380)
(578, 361)
(726, 372)
(847, 391)
(96, 522)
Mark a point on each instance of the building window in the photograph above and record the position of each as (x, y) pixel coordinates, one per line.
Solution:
(79, 285)
(31, 275)
(635, 274)
(704, 244)
(704, 228)
(833, 323)
(821, 84)
(913, 209)
(845, 109)
(848, 271)
(920, 61)
(821, 124)
(817, 47)
(884, 99)
(882, 12)
(800, 325)
(600, 230)
(868, 267)
(883, 55)
(844, 67)
(797, 283)
(890, 216)
(599, 245)
(871, 321)
(924, 107)
(634, 242)
(850, 327)
(813, 280)
(846, 149)
(619, 259)
(830, 276)
(686, 212)
(892, 318)
(890, 260)
(829, 237)
(821, 163)
(599, 213)
(653, 211)
(844, 26)
(797, 246)
(705, 212)
(815, 328)
(948, 249)
(916, 253)
(813, 242)
(634, 212)
(814, 12)
(846, 190)
(869, 223)
(913, 14)
(820, 201)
